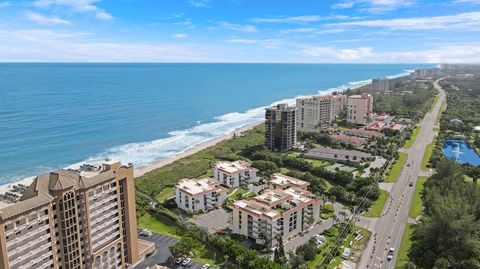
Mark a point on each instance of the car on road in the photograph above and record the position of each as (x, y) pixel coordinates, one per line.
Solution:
(186, 261)
(178, 260)
(391, 252)
(205, 266)
(410, 184)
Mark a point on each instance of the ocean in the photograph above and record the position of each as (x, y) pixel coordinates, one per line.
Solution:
(53, 115)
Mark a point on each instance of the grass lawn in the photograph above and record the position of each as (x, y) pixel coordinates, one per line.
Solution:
(416, 206)
(165, 194)
(442, 108)
(410, 141)
(206, 254)
(239, 193)
(427, 156)
(377, 207)
(405, 246)
(435, 100)
(161, 225)
(397, 167)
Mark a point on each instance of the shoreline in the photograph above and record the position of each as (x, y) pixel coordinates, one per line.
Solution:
(194, 149)
(158, 164)
(138, 172)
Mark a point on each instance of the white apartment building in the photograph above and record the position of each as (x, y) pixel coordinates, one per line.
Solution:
(314, 112)
(234, 174)
(198, 195)
(283, 182)
(283, 212)
(359, 109)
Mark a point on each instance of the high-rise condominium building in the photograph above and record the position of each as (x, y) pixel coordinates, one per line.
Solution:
(314, 112)
(359, 109)
(381, 85)
(280, 127)
(72, 220)
(275, 212)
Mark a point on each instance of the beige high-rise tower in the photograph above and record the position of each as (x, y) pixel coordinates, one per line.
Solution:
(72, 219)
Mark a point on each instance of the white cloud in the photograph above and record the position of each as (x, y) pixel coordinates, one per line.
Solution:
(102, 15)
(473, 2)
(243, 41)
(265, 43)
(4, 4)
(81, 6)
(298, 30)
(462, 21)
(294, 19)
(374, 6)
(453, 53)
(337, 54)
(237, 27)
(180, 35)
(40, 19)
(200, 3)
(48, 45)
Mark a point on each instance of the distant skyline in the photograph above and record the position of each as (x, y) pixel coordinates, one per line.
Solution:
(330, 31)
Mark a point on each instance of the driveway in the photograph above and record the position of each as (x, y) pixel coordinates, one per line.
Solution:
(162, 253)
(214, 220)
(303, 239)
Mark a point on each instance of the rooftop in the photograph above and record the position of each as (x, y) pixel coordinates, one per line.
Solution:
(234, 167)
(273, 203)
(340, 152)
(199, 186)
(348, 139)
(285, 181)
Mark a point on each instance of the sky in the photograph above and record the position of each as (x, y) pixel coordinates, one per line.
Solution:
(266, 31)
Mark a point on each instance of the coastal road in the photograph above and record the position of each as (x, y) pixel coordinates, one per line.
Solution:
(388, 230)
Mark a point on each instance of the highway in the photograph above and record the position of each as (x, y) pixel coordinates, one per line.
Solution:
(388, 229)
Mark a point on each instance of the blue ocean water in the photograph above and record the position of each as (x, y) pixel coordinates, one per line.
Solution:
(460, 151)
(56, 114)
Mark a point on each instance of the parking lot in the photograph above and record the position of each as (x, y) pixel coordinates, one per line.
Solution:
(214, 220)
(162, 253)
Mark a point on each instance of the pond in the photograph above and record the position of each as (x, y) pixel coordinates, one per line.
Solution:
(460, 151)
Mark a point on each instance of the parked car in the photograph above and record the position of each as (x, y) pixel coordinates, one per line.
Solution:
(410, 184)
(318, 242)
(186, 261)
(205, 266)
(178, 260)
(391, 252)
(146, 233)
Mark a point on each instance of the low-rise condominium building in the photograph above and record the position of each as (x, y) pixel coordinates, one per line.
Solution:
(235, 174)
(283, 182)
(338, 155)
(199, 195)
(73, 219)
(275, 212)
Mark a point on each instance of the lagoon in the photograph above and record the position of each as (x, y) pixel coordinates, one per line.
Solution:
(460, 151)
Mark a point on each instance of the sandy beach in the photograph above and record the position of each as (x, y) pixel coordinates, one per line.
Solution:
(143, 170)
